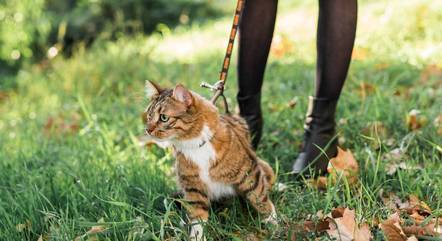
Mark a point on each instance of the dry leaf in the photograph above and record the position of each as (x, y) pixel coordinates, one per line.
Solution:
(292, 103)
(96, 229)
(415, 120)
(343, 226)
(427, 230)
(392, 228)
(393, 167)
(417, 207)
(344, 164)
(320, 226)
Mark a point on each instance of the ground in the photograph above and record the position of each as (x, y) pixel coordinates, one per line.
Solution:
(70, 159)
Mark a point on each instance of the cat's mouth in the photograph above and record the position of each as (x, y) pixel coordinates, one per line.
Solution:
(155, 138)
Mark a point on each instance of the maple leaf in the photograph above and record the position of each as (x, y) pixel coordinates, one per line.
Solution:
(344, 164)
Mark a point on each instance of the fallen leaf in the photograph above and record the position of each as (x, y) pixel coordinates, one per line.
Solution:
(392, 228)
(320, 226)
(427, 230)
(415, 120)
(344, 164)
(393, 167)
(293, 102)
(343, 226)
(394, 202)
(96, 229)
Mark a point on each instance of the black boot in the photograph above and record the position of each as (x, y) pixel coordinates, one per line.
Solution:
(250, 110)
(320, 142)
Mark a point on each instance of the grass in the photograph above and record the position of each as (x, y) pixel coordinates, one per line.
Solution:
(68, 127)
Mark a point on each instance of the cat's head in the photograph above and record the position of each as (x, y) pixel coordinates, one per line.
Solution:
(173, 114)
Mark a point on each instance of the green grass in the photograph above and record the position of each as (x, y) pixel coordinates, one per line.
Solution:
(88, 168)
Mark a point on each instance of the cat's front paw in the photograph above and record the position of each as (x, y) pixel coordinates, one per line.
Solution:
(196, 232)
(272, 218)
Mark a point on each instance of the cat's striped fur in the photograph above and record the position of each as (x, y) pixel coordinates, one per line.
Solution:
(214, 158)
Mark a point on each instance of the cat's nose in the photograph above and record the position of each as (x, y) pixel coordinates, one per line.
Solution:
(149, 129)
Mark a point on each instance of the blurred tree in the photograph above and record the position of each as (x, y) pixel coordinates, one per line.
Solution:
(28, 28)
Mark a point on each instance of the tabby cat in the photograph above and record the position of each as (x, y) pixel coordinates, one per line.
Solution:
(214, 158)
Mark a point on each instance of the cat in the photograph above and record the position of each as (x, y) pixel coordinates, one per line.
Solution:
(214, 157)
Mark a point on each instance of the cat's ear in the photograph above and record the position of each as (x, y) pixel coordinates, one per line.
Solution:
(183, 95)
(152, 89)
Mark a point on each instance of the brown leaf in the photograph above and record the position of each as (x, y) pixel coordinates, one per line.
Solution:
(293, 102)
(320, 226)
(393, 167)
(344, 226)
(96, 229)
(415, 120)
(418, 206)
(392, 228)
(427, 230)
(344, 164)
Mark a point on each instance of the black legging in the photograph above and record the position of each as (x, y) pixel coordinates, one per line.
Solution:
(335, 38)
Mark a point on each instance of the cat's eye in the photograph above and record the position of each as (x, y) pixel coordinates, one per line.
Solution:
(164, 118)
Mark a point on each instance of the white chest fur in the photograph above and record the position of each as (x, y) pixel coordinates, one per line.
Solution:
(200, 151)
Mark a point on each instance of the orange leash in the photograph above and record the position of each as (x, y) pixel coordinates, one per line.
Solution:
(218, 87)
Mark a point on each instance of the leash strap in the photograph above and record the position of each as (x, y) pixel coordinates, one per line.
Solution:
(218, 87)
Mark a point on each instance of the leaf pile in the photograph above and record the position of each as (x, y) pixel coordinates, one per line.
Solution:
(412, 219)
(339, 224)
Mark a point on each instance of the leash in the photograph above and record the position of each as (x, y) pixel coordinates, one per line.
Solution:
(218, 87)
